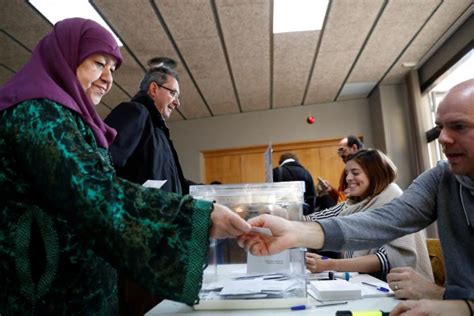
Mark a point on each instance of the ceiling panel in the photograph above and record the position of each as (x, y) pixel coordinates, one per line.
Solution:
(141, 31)
(246, 31)
(228, 59)
(115, 97)
(129, 75)
(23, 22)
(293, 54)
(193, 27)
(449, 11)
(344, 35)
(399, 23)
(5, 73)
(102, 110)
(13, 55)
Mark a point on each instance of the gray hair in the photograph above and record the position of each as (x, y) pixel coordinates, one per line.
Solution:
(160, 69)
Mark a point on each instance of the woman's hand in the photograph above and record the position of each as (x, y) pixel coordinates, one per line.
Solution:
(316, 263)
(226, 223)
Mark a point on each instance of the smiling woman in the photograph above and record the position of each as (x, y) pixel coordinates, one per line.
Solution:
(370, 176)
(95, 75)
(68, 222)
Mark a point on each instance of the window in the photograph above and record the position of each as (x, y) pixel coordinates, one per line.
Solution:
(461, 71)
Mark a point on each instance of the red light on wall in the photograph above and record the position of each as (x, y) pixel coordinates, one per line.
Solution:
(310, 119)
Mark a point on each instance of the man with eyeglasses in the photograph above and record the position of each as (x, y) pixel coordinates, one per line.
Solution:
(348, 145)
(144, 151)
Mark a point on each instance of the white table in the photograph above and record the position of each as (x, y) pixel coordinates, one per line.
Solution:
(385, 304)
(174, 308)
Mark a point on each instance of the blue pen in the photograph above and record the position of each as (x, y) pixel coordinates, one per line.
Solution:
(303, 307)
(299, 307)
(380, 288)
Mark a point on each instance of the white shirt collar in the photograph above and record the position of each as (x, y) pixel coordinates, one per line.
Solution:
(287, 161)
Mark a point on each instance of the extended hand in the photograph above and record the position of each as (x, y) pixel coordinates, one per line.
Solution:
(406, 283)
(227, 224)
(283, 236)
(430, 308)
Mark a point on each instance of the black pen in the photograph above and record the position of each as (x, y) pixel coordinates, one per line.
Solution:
(362, 313)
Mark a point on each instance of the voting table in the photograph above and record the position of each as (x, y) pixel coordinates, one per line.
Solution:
(385, 304)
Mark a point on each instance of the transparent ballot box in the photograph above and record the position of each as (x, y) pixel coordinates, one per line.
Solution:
(234, 279)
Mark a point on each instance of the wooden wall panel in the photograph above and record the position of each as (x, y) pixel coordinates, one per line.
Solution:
(252, 168)
(332, 165)
(245, 165)
(225, 169)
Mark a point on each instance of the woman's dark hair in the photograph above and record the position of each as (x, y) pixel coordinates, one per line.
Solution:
(380, 170)
(159, 70)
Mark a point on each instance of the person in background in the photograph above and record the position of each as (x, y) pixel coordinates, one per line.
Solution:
(68, 223)
(348, 145)
(290, 169)
(370, 176)
(444, 193)
(143, 149)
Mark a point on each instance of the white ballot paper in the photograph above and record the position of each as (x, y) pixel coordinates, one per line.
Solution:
(261, 230)
(154, 183)
(279, 262)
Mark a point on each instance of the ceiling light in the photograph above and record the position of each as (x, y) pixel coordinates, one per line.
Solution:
(298, 15)
(356, 90)
(57, 10)
(409, 64)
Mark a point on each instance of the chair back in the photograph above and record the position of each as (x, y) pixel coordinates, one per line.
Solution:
(437, 261)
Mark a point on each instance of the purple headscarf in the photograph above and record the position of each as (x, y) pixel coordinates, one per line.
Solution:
(51, 72)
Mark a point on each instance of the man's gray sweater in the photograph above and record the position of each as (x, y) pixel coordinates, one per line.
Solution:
(436, 194)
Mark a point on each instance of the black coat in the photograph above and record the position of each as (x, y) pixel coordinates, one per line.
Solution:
(293, 171)
(143, 149)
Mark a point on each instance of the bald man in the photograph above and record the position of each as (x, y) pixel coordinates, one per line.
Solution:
(444, 193)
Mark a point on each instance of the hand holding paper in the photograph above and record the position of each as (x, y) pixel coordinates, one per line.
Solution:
(226, 223)
(263, 245)
(261, 230)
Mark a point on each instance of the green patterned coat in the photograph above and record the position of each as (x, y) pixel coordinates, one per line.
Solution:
(67, 223)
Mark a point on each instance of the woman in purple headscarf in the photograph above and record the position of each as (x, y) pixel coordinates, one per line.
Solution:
(67, 223)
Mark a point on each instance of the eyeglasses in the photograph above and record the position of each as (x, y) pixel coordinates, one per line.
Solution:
(173, 93)
(342, 151)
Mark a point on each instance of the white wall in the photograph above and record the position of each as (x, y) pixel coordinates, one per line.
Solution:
(333, 120)
(392, 127)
